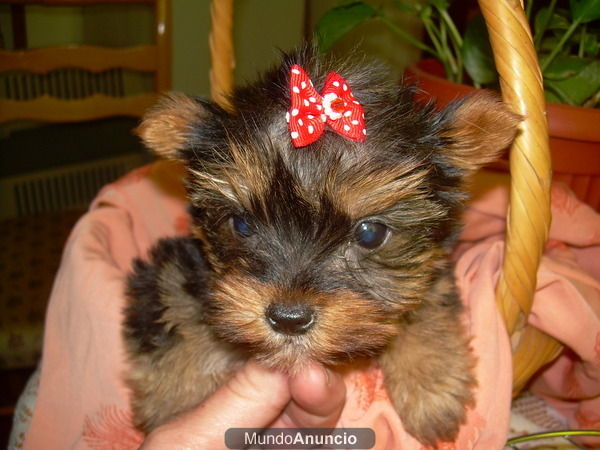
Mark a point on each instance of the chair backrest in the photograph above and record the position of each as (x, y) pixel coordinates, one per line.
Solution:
(77, 105)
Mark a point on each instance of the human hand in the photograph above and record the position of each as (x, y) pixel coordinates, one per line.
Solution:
(256, 397)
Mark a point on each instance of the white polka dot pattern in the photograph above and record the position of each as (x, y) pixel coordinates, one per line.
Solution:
(335, 107)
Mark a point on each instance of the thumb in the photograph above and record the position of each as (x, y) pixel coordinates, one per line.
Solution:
(252, 398)
(318, 397)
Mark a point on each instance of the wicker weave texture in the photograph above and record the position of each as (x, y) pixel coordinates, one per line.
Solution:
(528, 217)
(222, 55)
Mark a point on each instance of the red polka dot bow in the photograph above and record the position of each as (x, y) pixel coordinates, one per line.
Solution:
(335, 106)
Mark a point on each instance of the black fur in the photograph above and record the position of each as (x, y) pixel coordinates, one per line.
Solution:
(143, 322)
(302, 208)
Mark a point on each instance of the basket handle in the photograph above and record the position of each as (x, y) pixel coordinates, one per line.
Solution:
(528, 216)
(222, 55)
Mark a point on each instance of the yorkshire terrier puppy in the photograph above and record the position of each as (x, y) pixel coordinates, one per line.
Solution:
(324, 207)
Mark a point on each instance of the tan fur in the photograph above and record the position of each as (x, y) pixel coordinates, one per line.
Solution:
(201, 361)
(400, 306)
(428, 372)
(238, 180)
(241, 305)
(367, 194)
(166, 128)
(483, 128)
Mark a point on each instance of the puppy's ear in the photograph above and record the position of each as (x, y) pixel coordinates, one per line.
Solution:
(479, 127)
(170, 125)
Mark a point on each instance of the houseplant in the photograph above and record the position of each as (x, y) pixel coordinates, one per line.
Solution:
(567, 42)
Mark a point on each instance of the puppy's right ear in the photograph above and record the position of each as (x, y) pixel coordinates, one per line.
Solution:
(169, 126)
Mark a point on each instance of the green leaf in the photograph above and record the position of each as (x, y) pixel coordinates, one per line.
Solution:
(338, 21)
(555, 22)
(440, 4)
(477, 52)
(563, 67)
(552, 94)
(406, 8)
(585, 10)
(425, 12)
(548, 44)
(580, 86)
(590, 44)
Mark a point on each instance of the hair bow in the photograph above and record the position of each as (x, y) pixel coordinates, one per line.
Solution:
(335, 106)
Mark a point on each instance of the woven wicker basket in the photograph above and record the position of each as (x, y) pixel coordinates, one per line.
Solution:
(528, 218)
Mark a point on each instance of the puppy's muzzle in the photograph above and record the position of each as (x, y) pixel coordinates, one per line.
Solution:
(291, 319)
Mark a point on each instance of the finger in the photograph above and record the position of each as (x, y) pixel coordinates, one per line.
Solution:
(318, 397)
(252, 398)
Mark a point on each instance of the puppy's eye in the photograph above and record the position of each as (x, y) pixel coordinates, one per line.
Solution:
(371, 235)
(240, 226)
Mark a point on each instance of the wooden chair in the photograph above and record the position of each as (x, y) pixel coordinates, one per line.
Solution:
(69, 88)
(57, 197)
(152, 58)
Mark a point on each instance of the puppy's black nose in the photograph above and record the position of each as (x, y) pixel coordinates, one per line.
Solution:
(291, 319)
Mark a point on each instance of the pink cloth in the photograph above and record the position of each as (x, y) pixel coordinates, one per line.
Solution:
(83, 403)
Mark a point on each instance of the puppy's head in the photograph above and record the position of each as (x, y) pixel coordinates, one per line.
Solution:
(318, 251)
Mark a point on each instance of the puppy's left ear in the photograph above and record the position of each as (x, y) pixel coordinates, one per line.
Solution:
(480, 127)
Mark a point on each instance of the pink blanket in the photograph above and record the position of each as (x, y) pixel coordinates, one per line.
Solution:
(83, 403)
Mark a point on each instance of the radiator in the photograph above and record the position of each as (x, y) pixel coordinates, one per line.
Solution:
(68, 83)
(61, 189)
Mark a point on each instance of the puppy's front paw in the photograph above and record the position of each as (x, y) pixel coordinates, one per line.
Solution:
(434, 414)
(431, 383)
